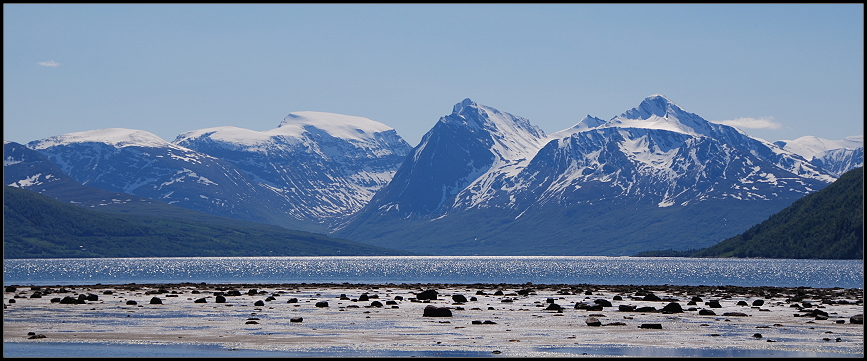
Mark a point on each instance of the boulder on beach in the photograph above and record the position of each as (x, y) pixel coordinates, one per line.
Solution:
(655, 326)
(673, 307)
(156, 301)
(603, 302)
(322, 304)
(713, 304)
(553, 307)
(593, 321)
(427, 295)
(735, 314)
(626, 308)
(296, 319)
(857, 319)
(128, 302)
(758, 303)
(201, 300)
(259, 303)
(434, 311)
(459, 298)
(706, 312)
(220, 299)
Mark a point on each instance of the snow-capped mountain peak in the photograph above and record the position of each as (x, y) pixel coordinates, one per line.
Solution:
(118, 137)
(657, 112)
(589, 122)
(811, 146)
(337, 125)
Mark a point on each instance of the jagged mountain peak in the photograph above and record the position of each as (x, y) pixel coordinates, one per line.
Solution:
(118, 137)
(656, 104)
(478, 116)
(658, 112)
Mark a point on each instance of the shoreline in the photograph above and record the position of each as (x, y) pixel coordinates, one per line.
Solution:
(493, 319)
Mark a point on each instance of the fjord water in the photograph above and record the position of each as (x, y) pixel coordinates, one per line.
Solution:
(599, 270)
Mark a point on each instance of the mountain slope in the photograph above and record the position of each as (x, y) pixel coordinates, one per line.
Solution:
(609, 188)
(36, 226)
(322, 166)
(140, 163)
(833, 156)
(828, 224)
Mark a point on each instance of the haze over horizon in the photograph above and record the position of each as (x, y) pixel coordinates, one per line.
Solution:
(778, 72)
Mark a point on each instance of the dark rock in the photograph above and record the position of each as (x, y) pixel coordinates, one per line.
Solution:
(857, 319)
(646, 309)
(434, 311)
(427, 295)
(735, 314)
(626, 308)
(220, 299)
(592, 321)
(251, 323)
(107, 292)
(128, 302)
(292, 300)
(36, 295)
(550, 300)
(757, 335)
(603, 303)
(713, 304)
(11, 289)
(233, 293)
(706, 312)
(673, 307)
(270, 298)
(296, 319)
(553, 307)
(617, 298)
(253, 292)
(459, 298)
(35, 336)
(69, 300)
(655, 326)
(376, 304)
(92, 297)
(476, 322)
(259, 303)
(526, 292)
(156, 301)
(390, 302)
(201, 300)
(363, 297)
(651, 297)
(742, 303)
(322, 304)
(489, 322)
(696, 299)
(758, 303)
(498, 293)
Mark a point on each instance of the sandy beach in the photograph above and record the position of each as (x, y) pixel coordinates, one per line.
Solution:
(468, 320)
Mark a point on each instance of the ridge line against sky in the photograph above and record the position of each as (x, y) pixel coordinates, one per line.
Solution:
(789, 70)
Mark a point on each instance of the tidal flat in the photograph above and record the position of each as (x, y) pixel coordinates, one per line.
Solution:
(405, 320)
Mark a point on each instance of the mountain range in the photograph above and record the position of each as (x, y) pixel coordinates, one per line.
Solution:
(481, 181)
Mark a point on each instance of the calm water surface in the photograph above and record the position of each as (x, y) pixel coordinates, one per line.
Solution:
(440, 269)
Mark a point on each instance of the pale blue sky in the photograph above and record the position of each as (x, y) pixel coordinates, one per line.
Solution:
(168, 69)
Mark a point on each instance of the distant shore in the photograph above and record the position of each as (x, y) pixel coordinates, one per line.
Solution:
(470, 319)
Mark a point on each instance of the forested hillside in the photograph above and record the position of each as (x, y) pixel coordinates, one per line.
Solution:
(36, 226)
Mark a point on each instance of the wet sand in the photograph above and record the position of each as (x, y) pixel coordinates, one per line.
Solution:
(496, 320)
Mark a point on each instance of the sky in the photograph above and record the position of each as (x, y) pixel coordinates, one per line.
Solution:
(778, 72)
